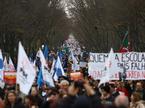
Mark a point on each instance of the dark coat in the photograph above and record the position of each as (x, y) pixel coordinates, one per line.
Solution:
(16, 105)
(67, 102)
(38, 100)
(83, 101)
(87, 102)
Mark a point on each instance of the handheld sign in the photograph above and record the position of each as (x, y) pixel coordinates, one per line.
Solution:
(75, 76)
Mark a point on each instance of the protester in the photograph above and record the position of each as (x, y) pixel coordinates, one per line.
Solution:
(1, 103)
(30, 102)
(106, 96)
(52, 100)
(130, 86)
(11, 101)
(113, 90)
(139, 88)
(64, 84)
(122, 101)
(35, 94)
(136, 101)
(121, 88)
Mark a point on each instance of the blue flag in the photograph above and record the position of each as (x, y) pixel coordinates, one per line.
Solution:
(46, 51)
(58, 69)
(40, 78)
(1, 66)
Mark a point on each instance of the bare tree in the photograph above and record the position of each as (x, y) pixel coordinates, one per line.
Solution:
(33, 22)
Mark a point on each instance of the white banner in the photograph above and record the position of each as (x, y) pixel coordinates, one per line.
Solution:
(133, 62)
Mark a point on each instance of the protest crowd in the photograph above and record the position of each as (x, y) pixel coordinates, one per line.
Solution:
(62, 79)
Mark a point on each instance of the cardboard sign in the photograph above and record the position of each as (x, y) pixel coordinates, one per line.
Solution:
(10, 77)
(75, 76)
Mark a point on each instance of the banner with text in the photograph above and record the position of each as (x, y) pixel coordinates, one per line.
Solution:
(132, 62)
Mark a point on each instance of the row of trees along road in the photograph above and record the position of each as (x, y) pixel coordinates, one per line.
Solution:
(96, 24)
(101, 24)
(33, 22)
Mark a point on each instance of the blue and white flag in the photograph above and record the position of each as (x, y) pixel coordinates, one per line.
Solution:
(58, 69)
(25, 71)
(1, 66)
(40, 78)
(45, 71)
(46, 51)
(52, 67)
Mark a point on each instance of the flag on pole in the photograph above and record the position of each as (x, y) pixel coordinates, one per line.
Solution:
(46, 51)
(40, 78)
(11, 65)
(110, 69)
(45, 71)
(25, 71)
(52, 67)
(42, 58)
(125, 47)
(58, 69)
(9, 73)
(1, 67)
(6, 66)
(75, 65)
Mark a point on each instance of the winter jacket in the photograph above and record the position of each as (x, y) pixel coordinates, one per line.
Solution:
(16, 105)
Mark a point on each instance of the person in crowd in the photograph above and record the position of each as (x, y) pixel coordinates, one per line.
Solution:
(106, 96)
(35, 94)
(30, 102)
(122, 101)
(11, 101)
(139, 89)
(95, 87)
(1, 103)
(68, 101)
(89, 99)
(136, 101)
(130, 86)
(20, 95)
(52, 99)
(86, 100)
(64, 84)
(121, 88)
(1, 93)
(44, 92)
(113, 90)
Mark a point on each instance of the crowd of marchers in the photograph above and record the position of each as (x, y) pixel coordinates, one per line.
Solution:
(77, 94)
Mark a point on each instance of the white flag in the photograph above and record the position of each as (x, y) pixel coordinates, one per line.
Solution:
(1, 66)
(25, 71)
(6, 66)
(42, 58)
(11, 65)
(110, 69)
(52, 67)
(46, 75)
(75, 65)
